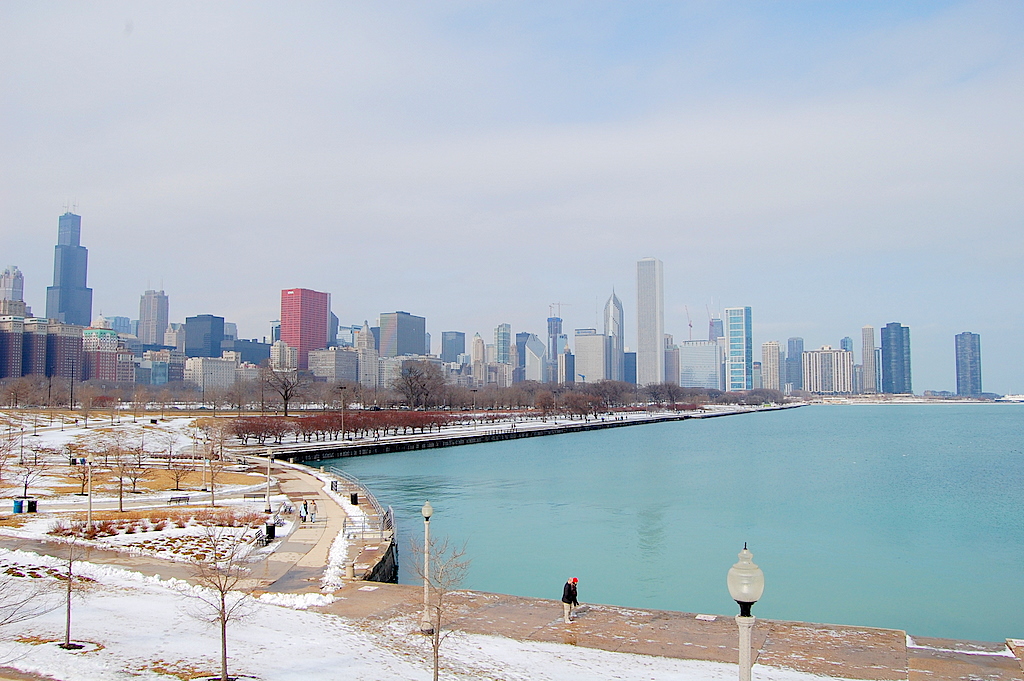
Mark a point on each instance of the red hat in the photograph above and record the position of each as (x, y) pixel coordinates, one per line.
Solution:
(574, 580)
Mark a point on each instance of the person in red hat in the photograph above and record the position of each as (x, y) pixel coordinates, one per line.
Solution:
(569, 598)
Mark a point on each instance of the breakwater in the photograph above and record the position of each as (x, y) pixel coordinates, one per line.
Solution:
(305, 452)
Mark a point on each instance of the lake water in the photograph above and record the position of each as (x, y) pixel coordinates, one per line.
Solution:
(903, 516)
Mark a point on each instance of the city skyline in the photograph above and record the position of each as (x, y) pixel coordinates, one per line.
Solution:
(838, 154)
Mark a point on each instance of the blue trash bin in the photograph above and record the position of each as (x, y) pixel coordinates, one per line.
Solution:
(19, 505)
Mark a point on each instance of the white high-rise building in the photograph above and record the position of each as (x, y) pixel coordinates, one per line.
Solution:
(615, 332)
(208, 373)
(369, 370)
(591, 356)
(650, 326)
(12, 284)
(868, 354)
(536, 359)
(335, 364)
(283, 357)
(700, 364)
(828, 371)
(771, 365)
(152, 317)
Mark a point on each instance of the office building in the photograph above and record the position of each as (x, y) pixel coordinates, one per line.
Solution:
(869, 367)
(968, 364)
(210, 373)
(453, 344)
(828, 371)
(120, 324)
(402, 333)
(700, 364)
(153, 308)
(64, 350)
(756, 381)
(629, 364)
(716, 329)
(739, 360)
(12, 331)
(335, 364)
(771, 365)
(503, 343)
(283, 357)
(536, 364)
(250, 351)
(369, 360)
(794, 363)
(33, 347)
(846, 344)
(305, 321)
(174, 336)
(615, 330)
(69, 299)
(671, 360)
(591, 356)
(12, 284)
(650, 328)
(99, 355)
(896, 359)
(203, 335)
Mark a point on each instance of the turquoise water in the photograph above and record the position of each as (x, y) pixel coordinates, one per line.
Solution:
(909, 517)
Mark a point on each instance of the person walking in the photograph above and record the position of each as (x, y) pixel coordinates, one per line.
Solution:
(569, 598)
(303, 510)
(312, 512)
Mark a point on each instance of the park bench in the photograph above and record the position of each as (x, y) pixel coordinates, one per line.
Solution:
(179, 500)
(254, 496)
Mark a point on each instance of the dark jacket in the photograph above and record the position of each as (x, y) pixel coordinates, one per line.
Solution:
(569, 594)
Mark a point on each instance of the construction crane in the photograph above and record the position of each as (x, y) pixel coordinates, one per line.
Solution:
(552, 306)
(689, 322)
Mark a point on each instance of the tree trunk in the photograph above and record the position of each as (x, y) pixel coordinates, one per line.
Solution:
(67, 621)
(223, 641)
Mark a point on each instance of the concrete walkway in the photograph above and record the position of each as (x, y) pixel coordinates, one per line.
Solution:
(831, 650)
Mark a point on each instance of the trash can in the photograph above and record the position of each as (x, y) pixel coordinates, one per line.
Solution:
(153, 421)
(19, 505)
(271, 530)
(334, 485)
(354, 498)
(31, 503)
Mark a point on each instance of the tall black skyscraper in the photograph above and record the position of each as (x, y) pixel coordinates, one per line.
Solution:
(69, 300)
(453, 344)
(795, 362)
(968, 364)
(896, 359)
(203, 335)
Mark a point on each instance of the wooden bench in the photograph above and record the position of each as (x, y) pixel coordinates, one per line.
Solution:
(178, 500)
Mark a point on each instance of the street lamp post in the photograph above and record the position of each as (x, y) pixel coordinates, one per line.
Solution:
(746, 584)
(88, 462)
(270, 457)
(425, 626)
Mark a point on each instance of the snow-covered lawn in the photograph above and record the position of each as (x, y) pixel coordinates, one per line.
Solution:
(138, 627)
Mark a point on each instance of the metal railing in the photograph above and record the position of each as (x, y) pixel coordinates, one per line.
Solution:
(379, 525)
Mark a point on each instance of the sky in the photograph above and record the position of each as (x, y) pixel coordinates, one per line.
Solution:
(830, 165)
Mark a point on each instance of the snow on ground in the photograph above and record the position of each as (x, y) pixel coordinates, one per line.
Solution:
(141, 628)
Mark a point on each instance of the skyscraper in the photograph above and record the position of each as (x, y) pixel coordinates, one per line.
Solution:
(503, 343)
(152, 317)
(968, 364)
(614, 329)
(794, 362)
(715, 328)
(591, 355)
(402, 333)
(867, 357)
(828, 371)
(554, 331)
(700, 364)
(896, 359)
(203, 335)
(453, 344)
(305, 321)
(69, 300)
(650, 322)
(12, 284)
(739, 362)
(846, 344)
(771, 366)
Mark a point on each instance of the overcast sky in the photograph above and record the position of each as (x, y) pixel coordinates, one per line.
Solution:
(829, 164)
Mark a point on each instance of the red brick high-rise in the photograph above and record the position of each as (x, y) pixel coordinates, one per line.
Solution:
(305, 320)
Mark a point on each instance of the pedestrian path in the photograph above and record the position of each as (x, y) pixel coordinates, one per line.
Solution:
(828, 650)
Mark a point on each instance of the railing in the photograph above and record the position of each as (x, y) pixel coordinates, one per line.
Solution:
(376, 526)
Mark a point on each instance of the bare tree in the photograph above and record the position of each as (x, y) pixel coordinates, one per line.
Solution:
(419, 383)
(225, 586)
(6, 452)
(287, 384)
(72, 552)
(137, 470)
(22, 598)
(179, 470)
(448, 566)
(26, 473)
